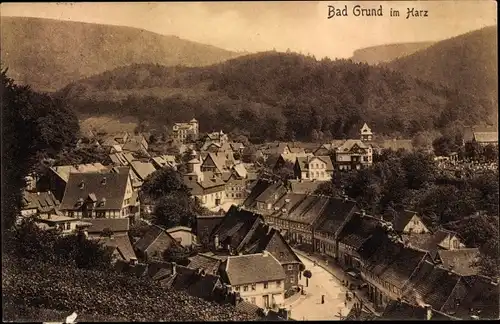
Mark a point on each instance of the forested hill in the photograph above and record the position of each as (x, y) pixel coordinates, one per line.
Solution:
(385, 53)
(279, 96)
(34, 55)
(468, 62)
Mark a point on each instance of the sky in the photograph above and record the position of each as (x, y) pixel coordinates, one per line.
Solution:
(296, 25)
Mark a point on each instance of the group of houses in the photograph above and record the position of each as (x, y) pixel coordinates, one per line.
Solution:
(394, 256)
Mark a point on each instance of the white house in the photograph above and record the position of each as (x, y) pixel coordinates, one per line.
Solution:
(258, 278)
(318, 168)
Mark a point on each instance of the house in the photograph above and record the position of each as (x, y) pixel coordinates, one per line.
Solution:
(100, 195)
(350, 239)
(204, 262)
(264, 202)
(136, 144)
(57, 221)
(366, 133)
(206, 186)
(185, 131)
(117, 226)
(397, 310)
(259, 278)
(462, 261)
(142, 169)
(183, 235)
(483, 135)
(258, 188)
(387, 266)
(154, 243)
(304, 186)
(163, 161)
(266, 238)
(36, 203)
(217, 163)
(215, 137)
(205, 225)
(196, 283)
(121, 158)
(406, 221)
(121, 138)
(237, 147)
(432, 243)
(56, 178)
(289, 158)
(120, 246)
(353, 155)
(328, 148)
(318, 168)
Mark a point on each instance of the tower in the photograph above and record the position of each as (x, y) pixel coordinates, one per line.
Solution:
(194, 127)
(366, 133)
(194, 168)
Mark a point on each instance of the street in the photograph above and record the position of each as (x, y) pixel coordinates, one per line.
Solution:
(309, 307)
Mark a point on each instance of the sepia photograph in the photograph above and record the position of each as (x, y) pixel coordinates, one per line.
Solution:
(249, 161)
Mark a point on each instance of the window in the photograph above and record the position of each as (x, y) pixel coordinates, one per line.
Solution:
(68, 226)
(292, 280)
(278, 283)
(282, 255)
(253, 286)
(455, 244)
(245, 288)
(252, 300)
(237, 288)
(290, 267)
(265, 285)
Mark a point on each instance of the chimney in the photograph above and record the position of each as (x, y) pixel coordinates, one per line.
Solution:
(81, 185)
(428, 312)
(216, 241)
(265, 253)
(133, 261)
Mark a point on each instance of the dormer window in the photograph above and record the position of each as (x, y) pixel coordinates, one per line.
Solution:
(103, 181)
(103, 202)
(81, 185)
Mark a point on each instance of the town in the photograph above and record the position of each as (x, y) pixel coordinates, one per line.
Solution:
(249, 161)
(266, 235)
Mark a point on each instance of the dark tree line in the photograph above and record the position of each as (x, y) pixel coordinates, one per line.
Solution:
(278, 96)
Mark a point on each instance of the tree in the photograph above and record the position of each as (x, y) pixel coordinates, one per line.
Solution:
(31, 123)
(307, 274)
(314, 135)
(491, 153)
(473, 150)
(163, 182)
(249, 154)
(174, 210)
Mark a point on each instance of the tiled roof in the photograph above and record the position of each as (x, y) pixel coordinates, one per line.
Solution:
(390, 261)
(304, 186)
(334, 214)
(401, 219)
(396, 310)
(270, 191)
(460, 261)
(211, 183)
(348, 145)
(235, 226)
(253, 268)
(121, 158)
(205, 262)
(157, 270)
(116, 225)
(486, 137)
(304, 161)
(63, 171)
(108, 188)
(432, 284)
(237, 146)
(164, 160)
(240, 170)
(122, 243)
(43, 201)
(357, 230)
(204, 286)
(248, 308)
(206, 224)
(142, 169)
(260, 186)
(150, 237)
(482, 298)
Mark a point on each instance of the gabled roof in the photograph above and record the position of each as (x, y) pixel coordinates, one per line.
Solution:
(269, 191)
(205, 262)
(121, 158)
(240, 170)
(304, 162)
(164, 161)
(460, 261)
(122, 243)
(335, 213)
(349, 144)
(486, 137)
(43, 201)
(108, 189)
(400, 219)
(366, 130)
(219, 160)
(211, 183)
(142, 169)
(260, 186)
(116, 225)
(357, 230)
(253, 268)
(151, 236)
(237, 146)
(235, 226)
(392, 262)
(206, 224)
(432, 285)
(63, 171)
(304, 186)
(397, 310)
(481, 297)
